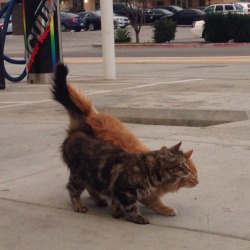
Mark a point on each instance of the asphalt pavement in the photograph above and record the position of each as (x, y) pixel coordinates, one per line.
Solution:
(166, 101)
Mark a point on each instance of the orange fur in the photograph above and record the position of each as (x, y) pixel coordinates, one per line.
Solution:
(111, 129)
(105, 126)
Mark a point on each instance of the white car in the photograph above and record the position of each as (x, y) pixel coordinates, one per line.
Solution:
(197, 29)
(245, 6)
(224, 8)
(121, 21)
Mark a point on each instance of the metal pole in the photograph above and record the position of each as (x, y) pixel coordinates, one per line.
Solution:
(108, 44)
(2, 76)
(42, 38)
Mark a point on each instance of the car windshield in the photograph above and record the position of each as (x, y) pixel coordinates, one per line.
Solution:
(68, 14)
(176, 8)
(167, 12)
(97, 13)
(238, 7)
(82, 14)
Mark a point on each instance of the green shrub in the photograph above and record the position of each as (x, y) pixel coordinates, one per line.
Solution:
(239, 27)
(122, 36)
(164, 31)
(222, 28)
(216, 27)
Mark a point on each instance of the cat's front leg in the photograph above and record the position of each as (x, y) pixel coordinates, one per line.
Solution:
(97, 197)
(117, 211)
(75, 188)
(128, 201)
(153, 202)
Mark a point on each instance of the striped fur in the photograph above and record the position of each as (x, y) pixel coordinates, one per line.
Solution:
(104, 169)
(108, 128)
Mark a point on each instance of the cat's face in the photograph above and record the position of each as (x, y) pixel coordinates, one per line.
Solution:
(192, 179)
(172, 163)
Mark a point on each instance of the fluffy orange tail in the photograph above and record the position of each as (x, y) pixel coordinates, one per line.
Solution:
(80, 100)
(105, 126)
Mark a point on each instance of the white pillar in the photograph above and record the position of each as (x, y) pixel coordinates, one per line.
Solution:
(108, 44)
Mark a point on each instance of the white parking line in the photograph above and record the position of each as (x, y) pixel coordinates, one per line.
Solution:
(144, 86)
(25, 103)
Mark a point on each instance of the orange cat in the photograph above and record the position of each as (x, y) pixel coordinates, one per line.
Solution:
(112, 130)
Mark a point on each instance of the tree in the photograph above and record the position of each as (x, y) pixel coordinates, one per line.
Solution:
(77, 5)
(135, 11)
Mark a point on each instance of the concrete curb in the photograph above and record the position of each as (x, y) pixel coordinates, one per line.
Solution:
(176, 45)
(176, 117)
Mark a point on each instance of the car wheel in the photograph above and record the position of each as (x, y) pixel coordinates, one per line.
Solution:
(204, 35)
(78, 29)
(91, 27)
(63, 27)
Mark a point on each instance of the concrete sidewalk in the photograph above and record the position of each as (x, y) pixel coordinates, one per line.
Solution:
(35, 208)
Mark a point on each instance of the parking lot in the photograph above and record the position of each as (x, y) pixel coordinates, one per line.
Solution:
(186, 92)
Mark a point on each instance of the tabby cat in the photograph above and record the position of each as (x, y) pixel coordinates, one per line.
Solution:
(104, 169)
(108, 128)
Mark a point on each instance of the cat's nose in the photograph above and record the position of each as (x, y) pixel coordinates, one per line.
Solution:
(194, 181)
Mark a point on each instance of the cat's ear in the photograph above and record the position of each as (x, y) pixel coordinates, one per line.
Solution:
(176, 147)
(164, 150)
(188, 153)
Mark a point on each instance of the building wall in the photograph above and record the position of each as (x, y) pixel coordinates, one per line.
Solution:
(95, 4)
(2, 2)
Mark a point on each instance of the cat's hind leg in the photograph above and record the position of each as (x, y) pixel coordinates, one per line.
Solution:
(75, 188)
(97, 197)
(154, 203)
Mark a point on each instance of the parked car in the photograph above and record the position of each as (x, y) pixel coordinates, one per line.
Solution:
(187, 16)
(9, 28)
(156, 14)
(121, 21)
(172, 8)
(92, 20)
(120, 9)
(197, 29)
(224, 8)
(71, 21)
(245, 6)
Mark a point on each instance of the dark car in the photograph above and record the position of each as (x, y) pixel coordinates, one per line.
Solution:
(120, 9)
(71, 21)
(156, 14)
(9, 27)
(91, 20)
(172, 8)
(188, 16)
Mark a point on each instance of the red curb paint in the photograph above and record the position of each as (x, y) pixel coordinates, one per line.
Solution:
(181, 45)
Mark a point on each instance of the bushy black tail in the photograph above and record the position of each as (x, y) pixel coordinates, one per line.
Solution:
(60, 91)
(60, 94)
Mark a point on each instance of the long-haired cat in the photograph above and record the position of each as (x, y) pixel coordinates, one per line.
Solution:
(108, 128)
(104, 169)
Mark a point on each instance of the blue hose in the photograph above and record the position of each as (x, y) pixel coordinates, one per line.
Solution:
(8, 8)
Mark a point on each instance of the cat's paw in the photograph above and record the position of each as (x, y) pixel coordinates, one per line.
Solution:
(117, 214)
(168, 212)
(141, 220)
(80, 209)
(102, 203)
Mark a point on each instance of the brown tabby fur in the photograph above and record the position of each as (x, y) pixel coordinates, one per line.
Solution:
(110, 129)
(104, 169)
